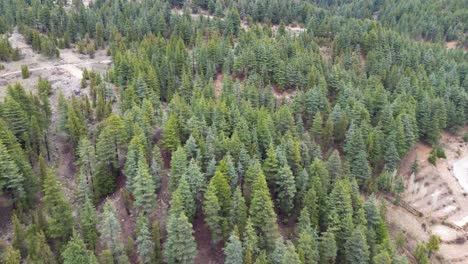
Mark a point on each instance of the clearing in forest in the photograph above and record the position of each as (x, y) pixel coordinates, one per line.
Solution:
(436, 199)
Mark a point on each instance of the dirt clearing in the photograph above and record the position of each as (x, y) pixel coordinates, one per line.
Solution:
(434, 200)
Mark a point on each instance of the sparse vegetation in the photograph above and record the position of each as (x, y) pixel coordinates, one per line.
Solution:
(24, 71)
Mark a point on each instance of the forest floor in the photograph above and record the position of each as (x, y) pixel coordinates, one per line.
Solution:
(434, 201)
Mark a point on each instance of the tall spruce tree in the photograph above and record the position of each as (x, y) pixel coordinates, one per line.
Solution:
(180, 247)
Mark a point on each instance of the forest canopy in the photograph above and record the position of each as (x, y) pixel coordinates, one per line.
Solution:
(269, 125)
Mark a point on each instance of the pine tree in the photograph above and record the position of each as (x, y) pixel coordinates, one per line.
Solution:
(11, 256)
(109, 142)
(382, 258)
(307, 247)
(144, 242)
(60, 220)
(286, 190)
(171, 133)
(357, 250)
(156, 166)
(311, 203)
(238, 213)
(391, 156)
(233, 250)
(212, 210)
(196, 179)
(262, 214)
(304, 224)
(76, 253)
(270, 165)
(262, 258)
(250, 238)
(178, 168)
(86, 158)
(317, 126)
(156, 236)
(38, 249)
(88, 223)
(276, 256)
(76, 124)
(327, 248)
(340, 215)
(180, 246)
(318, 170)
(252, 174)
(111, 231)
(135, 153)
(144, 190)
(290, 255)
(357, 156)
(10, 176)
(184, 196)
(19, 235)
(334, 166)
(223, 191)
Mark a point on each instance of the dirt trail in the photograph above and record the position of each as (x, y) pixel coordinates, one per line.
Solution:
(74, 70)
(218, 84)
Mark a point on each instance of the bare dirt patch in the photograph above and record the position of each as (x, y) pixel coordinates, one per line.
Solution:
(326, 52)
(451, 44)
(218, 84)
(208, 252)
(283, 95)
(64, 72)
(435, 200)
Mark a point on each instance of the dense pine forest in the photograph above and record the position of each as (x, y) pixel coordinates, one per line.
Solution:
(224, 131)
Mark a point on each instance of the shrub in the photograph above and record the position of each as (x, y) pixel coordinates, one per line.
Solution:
(465, 137)
(440, 152)
(24, 71)
(16, 55)
(432, 158)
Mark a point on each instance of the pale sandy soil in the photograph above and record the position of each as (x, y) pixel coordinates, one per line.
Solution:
(218, 84)
(293, 29)
(451, 45)
(460, 169)
(438, 198)
(64, 73)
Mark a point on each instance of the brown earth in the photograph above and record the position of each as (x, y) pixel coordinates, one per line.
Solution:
(434, 202)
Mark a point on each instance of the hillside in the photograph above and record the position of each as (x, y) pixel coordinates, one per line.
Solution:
(212, 131)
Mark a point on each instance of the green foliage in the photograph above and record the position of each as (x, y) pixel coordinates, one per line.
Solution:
(75, 252)
(178, 168)
(327, 248)
(286, 189)
(180, 246)
(24, 71)
(156, 238)
(262, 215)
(357, 249)
(301, 118)
(11, 256)
(144, 189)
(233, 250)
(171, 133)
(111, 231)
(144, 241)
(60, 219)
